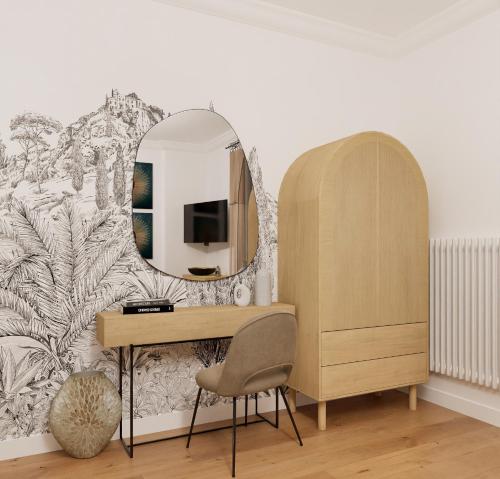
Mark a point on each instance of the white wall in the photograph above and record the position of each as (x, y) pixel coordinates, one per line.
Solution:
(282, 95)
(449, 117)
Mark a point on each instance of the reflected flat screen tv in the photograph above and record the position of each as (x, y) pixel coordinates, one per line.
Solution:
(205, 222)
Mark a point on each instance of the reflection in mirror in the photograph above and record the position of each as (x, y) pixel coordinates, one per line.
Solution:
(194, 208)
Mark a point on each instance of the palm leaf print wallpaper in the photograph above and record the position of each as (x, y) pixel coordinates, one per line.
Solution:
(67, 251)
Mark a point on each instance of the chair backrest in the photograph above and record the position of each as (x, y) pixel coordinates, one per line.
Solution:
(260, 356)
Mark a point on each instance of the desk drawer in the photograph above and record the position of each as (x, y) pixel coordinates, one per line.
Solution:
(376, 375)
(351, 345)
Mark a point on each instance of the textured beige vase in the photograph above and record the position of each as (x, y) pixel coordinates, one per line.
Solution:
(85, 413)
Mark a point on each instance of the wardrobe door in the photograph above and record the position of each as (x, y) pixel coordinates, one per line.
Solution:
(403, 245)
(348, 238)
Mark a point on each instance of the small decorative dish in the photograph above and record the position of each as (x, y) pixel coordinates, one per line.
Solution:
(201, 271)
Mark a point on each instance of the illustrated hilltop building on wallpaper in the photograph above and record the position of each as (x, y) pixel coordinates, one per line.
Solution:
(78, 155)
(67, 251)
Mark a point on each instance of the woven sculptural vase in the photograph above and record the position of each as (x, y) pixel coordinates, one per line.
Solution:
(85, 413)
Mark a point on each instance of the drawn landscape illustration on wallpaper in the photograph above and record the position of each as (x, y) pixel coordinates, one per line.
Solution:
(67, 251)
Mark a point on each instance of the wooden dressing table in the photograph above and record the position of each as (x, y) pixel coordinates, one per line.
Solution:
(189, 324)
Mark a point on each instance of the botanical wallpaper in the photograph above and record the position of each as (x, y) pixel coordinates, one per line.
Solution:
(67, 251)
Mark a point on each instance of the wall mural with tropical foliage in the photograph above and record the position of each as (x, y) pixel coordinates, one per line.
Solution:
(67, 251)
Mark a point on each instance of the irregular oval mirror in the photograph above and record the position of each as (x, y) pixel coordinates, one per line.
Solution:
(194, 209)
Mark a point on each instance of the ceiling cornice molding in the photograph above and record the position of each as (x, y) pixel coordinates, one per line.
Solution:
(449, 20)
(283, 20)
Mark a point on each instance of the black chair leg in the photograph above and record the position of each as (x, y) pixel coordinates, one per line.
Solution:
(290, 414)
(234, 438)
(194, 417)
(277, 418)
(246, 410)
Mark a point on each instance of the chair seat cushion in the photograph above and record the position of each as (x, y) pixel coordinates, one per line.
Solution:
(208, 378)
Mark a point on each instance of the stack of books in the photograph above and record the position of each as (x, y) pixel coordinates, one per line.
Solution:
(148, 306)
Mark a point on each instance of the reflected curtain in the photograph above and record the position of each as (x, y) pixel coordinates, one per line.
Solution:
(242, 221)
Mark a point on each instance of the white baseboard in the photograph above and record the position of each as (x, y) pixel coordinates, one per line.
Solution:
(27, 446)
(480, 403)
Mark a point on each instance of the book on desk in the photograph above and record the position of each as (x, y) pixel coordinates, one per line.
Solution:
(147, 306)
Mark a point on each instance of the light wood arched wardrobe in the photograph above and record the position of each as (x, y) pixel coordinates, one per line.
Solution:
(353, 258)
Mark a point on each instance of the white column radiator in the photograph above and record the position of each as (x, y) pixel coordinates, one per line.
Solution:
(464, 309)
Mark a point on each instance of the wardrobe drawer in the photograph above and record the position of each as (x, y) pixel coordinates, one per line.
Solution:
(376, 375)
(351, 345)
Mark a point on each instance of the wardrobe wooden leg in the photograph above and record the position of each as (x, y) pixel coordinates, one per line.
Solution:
(292, 399)
(413, 397)
(322, 415)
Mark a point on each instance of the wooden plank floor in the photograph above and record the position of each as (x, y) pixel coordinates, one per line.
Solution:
(367, 438)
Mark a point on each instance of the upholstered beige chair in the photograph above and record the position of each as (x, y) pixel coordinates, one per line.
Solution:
(260, 357)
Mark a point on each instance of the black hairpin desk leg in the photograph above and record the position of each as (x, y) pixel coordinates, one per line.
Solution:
(246, 410)
(263, 418)
(130, 448)
(131, 406)
(120, 388)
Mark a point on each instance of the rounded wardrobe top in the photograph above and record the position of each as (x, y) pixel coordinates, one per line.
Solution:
(353, 225)
(314, 170)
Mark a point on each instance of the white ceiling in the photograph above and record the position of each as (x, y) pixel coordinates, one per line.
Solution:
(190, 126)
(384, 17)
(387, 28)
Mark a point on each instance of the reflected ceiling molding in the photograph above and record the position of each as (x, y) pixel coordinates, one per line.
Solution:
(291, 22)
(220, 141)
